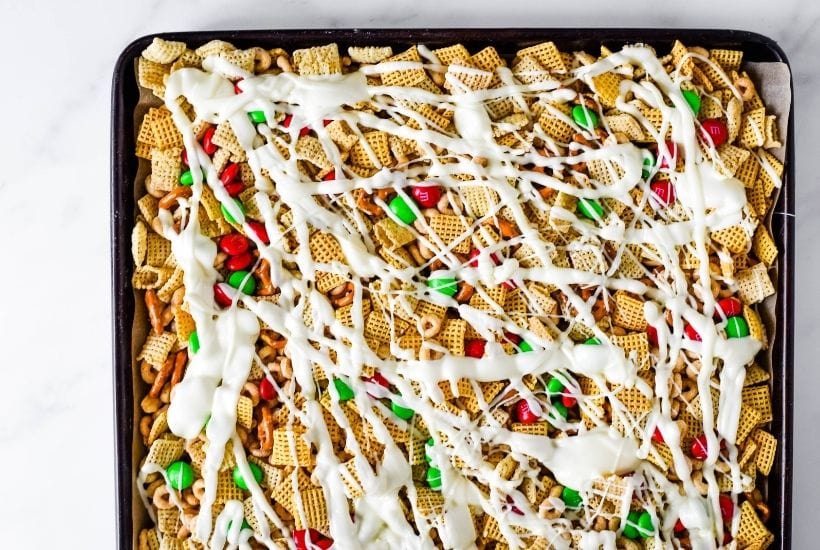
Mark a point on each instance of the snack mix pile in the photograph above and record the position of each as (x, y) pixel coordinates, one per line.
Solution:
(443, 299)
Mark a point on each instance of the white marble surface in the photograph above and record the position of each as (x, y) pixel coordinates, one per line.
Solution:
(56, 446)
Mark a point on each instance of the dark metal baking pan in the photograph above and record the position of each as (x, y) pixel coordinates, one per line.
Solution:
(125, 95)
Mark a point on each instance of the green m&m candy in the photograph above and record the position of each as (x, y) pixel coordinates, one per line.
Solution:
(524, 346)
(193, 342)
(645, 525)
(554, 386)
(228, 216)
(631, 528)
(245, 525)
(693, 99)
(243, 281)
(571, 498)
(257, 117)
(345, 393)
(592, 341)
(187, 178)
(180, 475)
(590, 209)
(584, 117)
(445, 285)
(427, 447)
(648, 163)
(737, 327)
(434, 478)
(240, 481)
(402, 412)
(402, 210)
(557, 409)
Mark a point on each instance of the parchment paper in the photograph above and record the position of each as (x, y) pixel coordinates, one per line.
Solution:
(773, 84)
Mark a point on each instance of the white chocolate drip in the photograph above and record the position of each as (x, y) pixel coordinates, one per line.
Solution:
(217, 371)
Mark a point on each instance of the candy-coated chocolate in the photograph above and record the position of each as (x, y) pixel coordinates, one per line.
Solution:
(728, 307)
(434, 478)
(402, 210)
(554, 386)
(259, 230)
(239, 262)
(257, 117)
(242, 281)
(524, 414)
(727, 507)
(630, 530)
(402, 412)
(235, 188)
(475, 348)
(716, 130)
(693, 99)
(663, 192)
(266, 389)
(221, 297)
(590, 209)
(666, 160)
(691, 333)
(445, 285)
(585, 117)
(426, 195)
(193, 342)
(207, 141)
(737, 327)
(240, 481)
(229, 173)
(345, 393)
(571, 497)
(228, 216)
(234, 243)
(180, 475)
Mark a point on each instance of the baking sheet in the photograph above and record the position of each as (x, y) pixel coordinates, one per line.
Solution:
(772, 79)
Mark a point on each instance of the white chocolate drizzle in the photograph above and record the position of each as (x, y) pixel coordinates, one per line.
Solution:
(218, 370)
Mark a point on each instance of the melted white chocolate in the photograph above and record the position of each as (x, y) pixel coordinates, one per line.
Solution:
(218, 370)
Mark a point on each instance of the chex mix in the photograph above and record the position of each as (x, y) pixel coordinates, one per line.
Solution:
(453, 298)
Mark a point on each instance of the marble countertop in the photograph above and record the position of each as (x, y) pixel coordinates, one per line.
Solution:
(56, 422)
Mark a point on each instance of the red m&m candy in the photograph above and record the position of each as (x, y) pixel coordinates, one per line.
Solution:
(259, 230)
(524, 414)
(475, 348)
(652, 335)
(239, 262)
(229, 173)
(475, 253)
(234, 243)
(728, 307)
(699, 448)
(266, 389)
(234, 188)
(679, 527)
(727, 507)
(666, 161)
(302, 131)
(715, 129)
(207, 141)
(311, 539)
(568, 400)
(426, 195)
(691, 333)
(663, 192)
(657, 436)
(220, 297)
